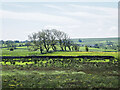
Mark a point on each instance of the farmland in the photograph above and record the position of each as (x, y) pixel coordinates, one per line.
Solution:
(57, 73)
(23, 51)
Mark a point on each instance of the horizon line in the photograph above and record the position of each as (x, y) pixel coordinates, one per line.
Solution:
(70, 38)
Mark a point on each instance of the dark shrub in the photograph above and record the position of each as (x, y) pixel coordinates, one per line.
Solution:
(86, 48)
(11, 49)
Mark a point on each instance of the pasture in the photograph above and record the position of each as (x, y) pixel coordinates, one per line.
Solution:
(23, 51)
(58, 73)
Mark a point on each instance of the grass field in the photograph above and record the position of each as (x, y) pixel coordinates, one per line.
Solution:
(84, 76)
(59, 79)
(75, 76)
(92, 41)
(23, 51)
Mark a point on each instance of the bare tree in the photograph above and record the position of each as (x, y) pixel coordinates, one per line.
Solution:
(45, 35)
(69, 44)
(36, 41)
(53, 39)
(60, 36)
(75, 47)
(40, 43)
(66, 42)
(49, 39)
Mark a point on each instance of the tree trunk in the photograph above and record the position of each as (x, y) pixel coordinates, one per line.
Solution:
(47, 49)
(60, 41)
(41, 50)
(65, 48)
(69, 48)
(53, 47)
(62, 48)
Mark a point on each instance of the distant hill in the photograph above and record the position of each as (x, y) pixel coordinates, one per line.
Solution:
(95, 40)
(111, 43)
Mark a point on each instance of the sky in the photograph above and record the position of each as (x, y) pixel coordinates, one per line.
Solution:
(77, 19)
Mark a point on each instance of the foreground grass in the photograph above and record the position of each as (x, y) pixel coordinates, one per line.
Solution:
(52, 77)
(57, 79)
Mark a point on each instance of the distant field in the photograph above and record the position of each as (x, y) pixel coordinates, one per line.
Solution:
(23, 51)
(95, 40)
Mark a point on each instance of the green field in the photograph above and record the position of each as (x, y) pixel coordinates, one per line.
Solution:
(22, 51)
(57, 75)
(92, 41)
(59, 79)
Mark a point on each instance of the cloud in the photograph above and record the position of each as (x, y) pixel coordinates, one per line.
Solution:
(77, 21)
(58, 27)
(98, 8)
(91, 15)
(37, 17)
(59, 1)
(19, 5)
(113, 28)
(1, 13)
(86, 11)
(93, 12)
(54, 7)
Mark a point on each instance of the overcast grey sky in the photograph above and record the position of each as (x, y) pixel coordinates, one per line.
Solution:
(77, 19)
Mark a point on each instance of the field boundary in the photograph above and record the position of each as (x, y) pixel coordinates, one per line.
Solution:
(15, 57)
(41, 60)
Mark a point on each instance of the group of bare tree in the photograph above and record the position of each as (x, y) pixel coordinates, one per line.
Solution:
(47, 39)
